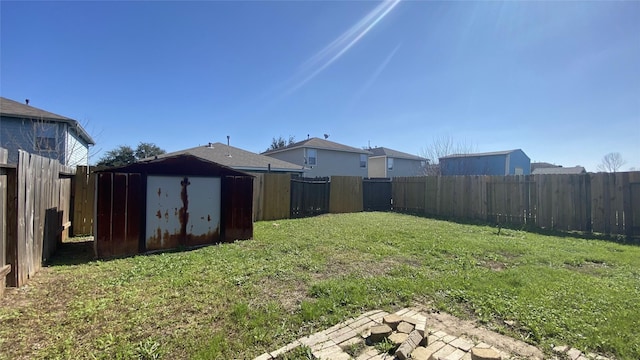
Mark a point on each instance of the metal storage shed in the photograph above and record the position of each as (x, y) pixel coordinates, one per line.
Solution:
(172, 202)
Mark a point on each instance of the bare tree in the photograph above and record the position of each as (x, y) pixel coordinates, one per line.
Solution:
(611, 162)
(443, 146)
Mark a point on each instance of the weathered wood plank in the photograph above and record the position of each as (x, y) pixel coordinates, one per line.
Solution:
(277, 196)
(345, 194)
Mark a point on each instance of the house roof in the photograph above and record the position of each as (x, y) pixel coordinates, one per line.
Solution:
(539, 165)
(494, 153)
(11, 108)
(317, 143)
(177, 164)
(236, 158)
(383, 151)
(559, 170)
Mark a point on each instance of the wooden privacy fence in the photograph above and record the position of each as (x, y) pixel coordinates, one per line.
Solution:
(607, 203)
(35, 202)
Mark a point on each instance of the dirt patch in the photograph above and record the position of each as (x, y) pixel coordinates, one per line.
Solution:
(493, 265)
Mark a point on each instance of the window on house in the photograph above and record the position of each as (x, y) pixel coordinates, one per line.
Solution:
(312, 157)
(45, 136)
(390, 163)
(363, 160)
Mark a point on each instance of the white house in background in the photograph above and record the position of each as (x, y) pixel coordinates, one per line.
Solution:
(24, 127)
(387, 163)
(322, 157)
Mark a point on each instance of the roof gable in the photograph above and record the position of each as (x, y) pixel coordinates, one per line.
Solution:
(11, 108)
(179, 164)
(321, 144)
(383, 151)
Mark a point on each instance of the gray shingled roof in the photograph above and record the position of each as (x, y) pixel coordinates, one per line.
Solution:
(559, 170)
(383, 151)
(237, 158)
(11, 108)
(506, 152)
(317, 143)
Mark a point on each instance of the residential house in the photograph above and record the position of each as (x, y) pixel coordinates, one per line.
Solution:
(510, 162)
(24, 127)
(239, 159)
(322, 157)
(387, 163)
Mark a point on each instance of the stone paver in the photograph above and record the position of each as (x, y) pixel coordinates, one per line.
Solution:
(435, 343)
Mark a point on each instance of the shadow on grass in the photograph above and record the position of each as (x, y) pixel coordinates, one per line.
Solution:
(73, 253)
(80, 251)
(619, 239)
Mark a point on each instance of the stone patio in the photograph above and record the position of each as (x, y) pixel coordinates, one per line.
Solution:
(441, 339)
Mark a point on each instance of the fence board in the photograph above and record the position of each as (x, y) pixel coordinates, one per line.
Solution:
(83, 201)
(345, 194)
(258, 197)
(409, 194)
(634, 196)
(274, 197)
(4, 195)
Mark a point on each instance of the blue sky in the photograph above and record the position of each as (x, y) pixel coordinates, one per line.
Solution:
(560, 80)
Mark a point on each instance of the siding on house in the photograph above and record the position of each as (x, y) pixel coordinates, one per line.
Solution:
(403, 164)
(512, 162)
(331, 158)
(78, 152)
(377, 167)
(21, 125)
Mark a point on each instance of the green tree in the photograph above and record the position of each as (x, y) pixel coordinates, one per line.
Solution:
(125, 154)
(146, 150)
(281, 142)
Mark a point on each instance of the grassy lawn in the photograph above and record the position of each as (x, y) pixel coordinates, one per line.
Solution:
(300, 276)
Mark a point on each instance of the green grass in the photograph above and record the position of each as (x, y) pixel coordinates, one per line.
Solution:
(242, 299)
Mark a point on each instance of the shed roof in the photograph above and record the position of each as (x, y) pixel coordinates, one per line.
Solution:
(494, 153)
(317, 143)
(236, 158)
(383, 151)
(11, 108)
(179, 164)
(559, 170)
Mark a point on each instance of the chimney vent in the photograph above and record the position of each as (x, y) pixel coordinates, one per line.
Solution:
(26, 101)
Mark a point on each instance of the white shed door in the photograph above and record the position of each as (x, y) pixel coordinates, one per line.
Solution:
(182, 211)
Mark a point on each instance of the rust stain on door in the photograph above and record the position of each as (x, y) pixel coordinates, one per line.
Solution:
(194, 218)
